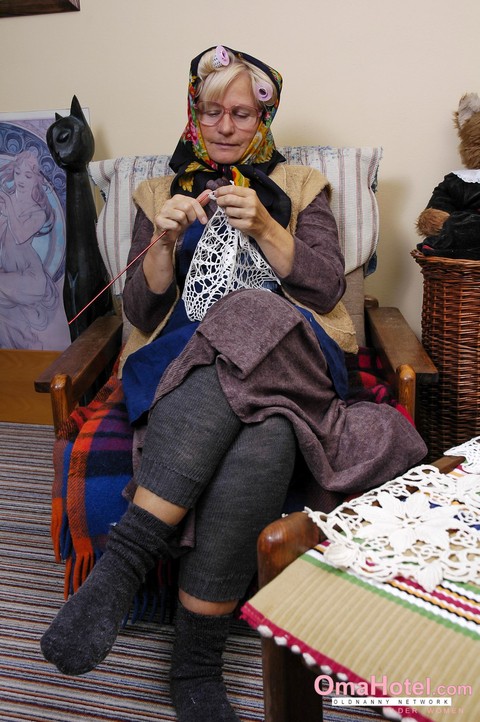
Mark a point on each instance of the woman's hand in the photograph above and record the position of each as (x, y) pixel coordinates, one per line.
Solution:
(247, 213)
(176, 215)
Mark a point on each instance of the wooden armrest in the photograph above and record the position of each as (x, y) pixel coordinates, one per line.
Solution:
(397, 345)
(75, 371)
(448, 463)
(281, 542)
(86, 357)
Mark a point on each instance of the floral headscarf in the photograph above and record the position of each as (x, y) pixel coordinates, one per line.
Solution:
(194, 168)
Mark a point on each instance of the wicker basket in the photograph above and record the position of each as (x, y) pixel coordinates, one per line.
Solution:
(449, 412)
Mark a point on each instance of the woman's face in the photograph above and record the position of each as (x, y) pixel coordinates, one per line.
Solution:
(225, 143)
(25, 178)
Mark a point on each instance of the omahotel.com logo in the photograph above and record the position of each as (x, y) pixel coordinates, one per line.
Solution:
(381, 692)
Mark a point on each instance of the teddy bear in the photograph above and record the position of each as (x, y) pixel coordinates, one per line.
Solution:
(450, 224)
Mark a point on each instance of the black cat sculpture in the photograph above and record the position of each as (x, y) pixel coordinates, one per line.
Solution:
(71, 143)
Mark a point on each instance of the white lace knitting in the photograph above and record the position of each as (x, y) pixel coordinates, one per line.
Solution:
(224, 260)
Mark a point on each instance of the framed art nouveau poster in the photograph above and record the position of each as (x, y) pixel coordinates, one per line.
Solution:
(32, 236)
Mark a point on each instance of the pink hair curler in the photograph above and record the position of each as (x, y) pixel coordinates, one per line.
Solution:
(221, 57)
(264, 92)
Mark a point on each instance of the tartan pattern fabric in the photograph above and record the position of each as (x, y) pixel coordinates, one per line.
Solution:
(93, 464)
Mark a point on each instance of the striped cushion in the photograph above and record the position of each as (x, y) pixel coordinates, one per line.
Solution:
(352, 173)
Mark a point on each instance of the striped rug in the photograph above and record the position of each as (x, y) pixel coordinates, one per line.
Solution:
(132, 684)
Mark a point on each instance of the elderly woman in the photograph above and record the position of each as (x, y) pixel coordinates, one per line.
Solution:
(234, 385)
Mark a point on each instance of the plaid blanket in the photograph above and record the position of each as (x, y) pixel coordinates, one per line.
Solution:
(366, 381)
(93, 465)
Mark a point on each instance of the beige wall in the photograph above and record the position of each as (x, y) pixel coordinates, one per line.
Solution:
(356, 72)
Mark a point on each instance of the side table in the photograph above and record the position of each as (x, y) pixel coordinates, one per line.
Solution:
(350, 628)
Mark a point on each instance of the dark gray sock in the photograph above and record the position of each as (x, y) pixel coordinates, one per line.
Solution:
(85, 629)
(196, 681)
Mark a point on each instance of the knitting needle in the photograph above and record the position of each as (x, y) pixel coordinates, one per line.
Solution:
(203, 199)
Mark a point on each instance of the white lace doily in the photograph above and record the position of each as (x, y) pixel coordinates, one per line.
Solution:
(423, 525)
(224, 260)
(471, 451)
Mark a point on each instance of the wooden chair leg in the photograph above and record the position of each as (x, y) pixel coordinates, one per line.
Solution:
(288, 686)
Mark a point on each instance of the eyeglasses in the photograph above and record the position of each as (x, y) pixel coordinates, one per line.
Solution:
(243, 116)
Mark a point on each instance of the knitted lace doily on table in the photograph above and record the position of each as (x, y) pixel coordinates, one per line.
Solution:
(471, 451)
(224, 260)
(423, 525)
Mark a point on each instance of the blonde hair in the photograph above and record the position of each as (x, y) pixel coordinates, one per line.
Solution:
(215, 81)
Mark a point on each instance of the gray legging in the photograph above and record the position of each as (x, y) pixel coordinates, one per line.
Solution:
(197, 453)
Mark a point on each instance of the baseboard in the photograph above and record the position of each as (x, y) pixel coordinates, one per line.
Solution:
(19, 402)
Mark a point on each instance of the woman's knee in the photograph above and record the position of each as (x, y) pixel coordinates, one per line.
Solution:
(272, 441)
